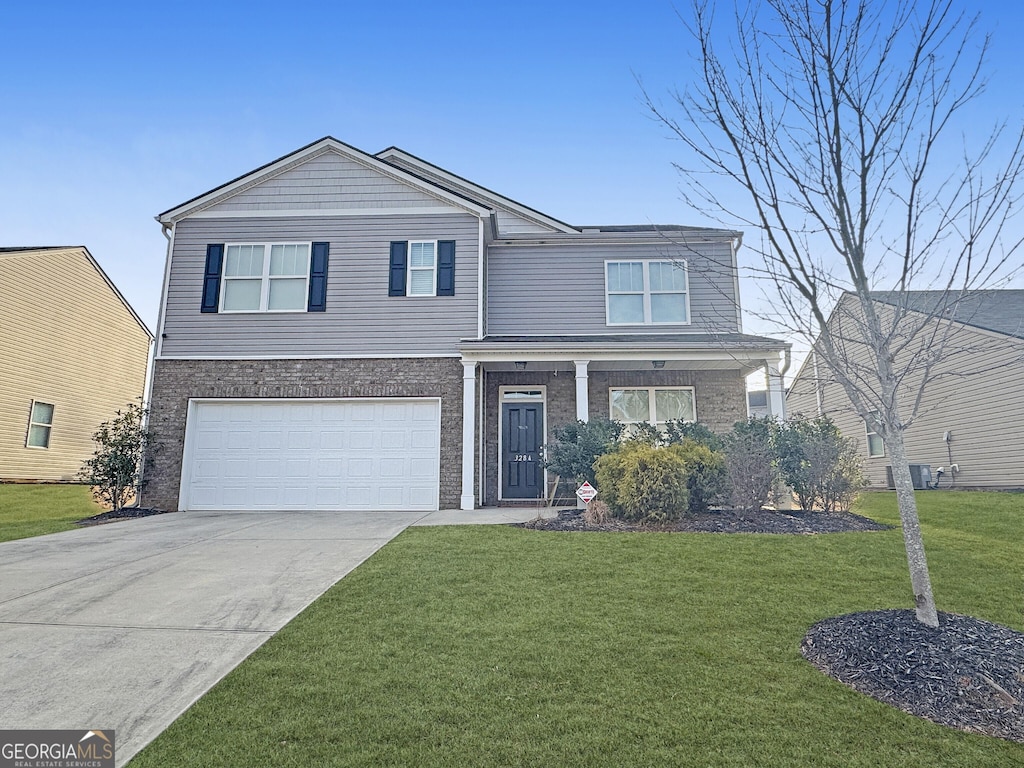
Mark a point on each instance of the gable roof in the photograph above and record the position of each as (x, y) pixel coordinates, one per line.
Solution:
(326, 144)
(404, 159)
(34, 251)
(1001, 311)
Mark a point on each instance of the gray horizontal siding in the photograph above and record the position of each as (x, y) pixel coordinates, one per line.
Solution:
(328, 181)
(561, 289)
(361, 319)
(512, 224)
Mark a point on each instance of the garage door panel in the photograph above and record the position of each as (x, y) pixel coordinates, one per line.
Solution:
(378, 454)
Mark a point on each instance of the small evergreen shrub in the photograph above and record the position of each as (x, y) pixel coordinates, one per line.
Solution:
(642, 483)
(678, 431)
(706, 478)
(577, 445)
(114, 469)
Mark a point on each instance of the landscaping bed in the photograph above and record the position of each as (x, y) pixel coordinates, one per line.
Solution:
(125, 513)
(723, 521)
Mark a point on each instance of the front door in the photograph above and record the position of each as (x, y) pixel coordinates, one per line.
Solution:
(522, 425)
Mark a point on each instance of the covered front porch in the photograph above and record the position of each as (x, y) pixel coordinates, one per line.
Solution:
(518, 390)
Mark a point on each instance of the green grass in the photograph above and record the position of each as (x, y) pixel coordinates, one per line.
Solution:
(493, 646)
(29, 509)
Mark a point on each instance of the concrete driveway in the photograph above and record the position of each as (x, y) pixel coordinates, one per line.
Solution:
(124, 626)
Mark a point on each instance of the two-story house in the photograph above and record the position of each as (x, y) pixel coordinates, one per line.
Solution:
(341, 330)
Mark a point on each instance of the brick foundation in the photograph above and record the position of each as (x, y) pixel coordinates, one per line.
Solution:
(175, 381)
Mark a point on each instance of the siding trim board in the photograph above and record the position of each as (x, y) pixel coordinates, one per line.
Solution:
(325, 212)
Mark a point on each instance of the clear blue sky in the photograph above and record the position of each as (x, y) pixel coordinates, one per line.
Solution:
(115, 111)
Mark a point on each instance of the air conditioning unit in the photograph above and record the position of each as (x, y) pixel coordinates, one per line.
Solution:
(920, 476)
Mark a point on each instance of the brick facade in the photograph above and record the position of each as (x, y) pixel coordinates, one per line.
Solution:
(175, 381)
(721, 401)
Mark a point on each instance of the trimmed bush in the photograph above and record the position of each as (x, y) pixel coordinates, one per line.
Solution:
(642, 483)
(706, 479)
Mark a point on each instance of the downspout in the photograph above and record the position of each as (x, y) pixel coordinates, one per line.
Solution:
(736, 243)
(157, 348)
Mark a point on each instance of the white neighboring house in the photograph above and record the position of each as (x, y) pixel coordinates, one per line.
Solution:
(971, 422)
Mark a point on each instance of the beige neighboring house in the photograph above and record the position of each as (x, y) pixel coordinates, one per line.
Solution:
(72, 352)
(971, 422)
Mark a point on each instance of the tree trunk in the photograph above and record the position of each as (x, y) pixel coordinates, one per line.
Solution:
(920, 581)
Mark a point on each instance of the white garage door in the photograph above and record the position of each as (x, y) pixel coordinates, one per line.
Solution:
(312, 455)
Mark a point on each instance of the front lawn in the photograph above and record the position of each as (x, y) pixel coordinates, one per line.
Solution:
(31, 509)
(495, 646)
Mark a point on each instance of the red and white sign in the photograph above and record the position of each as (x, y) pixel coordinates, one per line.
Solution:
(586, 492)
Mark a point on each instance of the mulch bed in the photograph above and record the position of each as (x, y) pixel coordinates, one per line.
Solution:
(966, 674)
(128, 513)
(724, 521)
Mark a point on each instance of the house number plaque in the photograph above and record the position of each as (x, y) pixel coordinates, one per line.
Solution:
(524, 457)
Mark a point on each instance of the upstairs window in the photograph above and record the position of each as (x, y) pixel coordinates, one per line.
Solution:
(268, 277)
(654, 405)
(40, 422)
(646, 293)
(422, 268)
(265, 277)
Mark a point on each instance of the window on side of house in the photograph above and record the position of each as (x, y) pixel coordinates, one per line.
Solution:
(654, 405)
(40, 422)
(646, 293)
(876, 446)
(265, 277)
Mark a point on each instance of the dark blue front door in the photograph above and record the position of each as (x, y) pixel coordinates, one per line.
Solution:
(522, 426)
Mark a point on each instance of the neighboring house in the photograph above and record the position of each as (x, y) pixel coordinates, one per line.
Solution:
(342, 330)
(72, 351)
(971, 417)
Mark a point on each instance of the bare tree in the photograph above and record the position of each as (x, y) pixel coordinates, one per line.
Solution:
(836, 120)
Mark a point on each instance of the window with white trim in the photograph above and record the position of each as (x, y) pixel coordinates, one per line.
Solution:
(265, 277)
(40, 422)
(646, 293)
(422, 268)
(876, 446)
(654, 405)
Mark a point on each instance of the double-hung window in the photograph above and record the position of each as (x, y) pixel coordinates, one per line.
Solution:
(40, 422)
(646, 292)
(654, 405)
(876, 446)
(422, 268)
(265, 277)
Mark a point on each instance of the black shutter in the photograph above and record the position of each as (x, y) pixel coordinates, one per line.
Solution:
(211, 278)
(318, 277)
(445, 267)
(399, 259)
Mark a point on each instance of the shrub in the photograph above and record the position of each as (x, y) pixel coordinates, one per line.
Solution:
(577, 446)
(678, 431)
(642, 483)
(750, 459)
(705, 474)
(116, 464)
(819, 464)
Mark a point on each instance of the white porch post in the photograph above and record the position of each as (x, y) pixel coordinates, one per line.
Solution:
(582, 397)
(468, 499)
(776, 392)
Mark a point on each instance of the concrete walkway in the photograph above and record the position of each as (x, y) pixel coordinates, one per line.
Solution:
(124, 626)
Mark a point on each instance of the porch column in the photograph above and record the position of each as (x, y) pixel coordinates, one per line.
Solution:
(582, 398)
(776, 392)
(467, 500)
